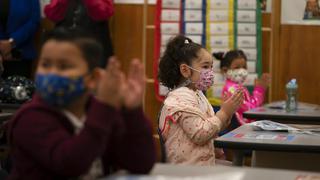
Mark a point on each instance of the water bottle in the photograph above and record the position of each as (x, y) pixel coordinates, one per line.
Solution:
(291, 101)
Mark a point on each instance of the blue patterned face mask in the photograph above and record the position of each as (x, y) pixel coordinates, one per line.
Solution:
(59, 90)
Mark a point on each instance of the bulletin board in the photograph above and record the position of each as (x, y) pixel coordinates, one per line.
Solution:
(218, 25)
(298, 12)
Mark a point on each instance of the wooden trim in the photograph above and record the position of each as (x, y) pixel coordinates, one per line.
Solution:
(144, 43)
(150, 80)
(266, 29)
(275, 45)
(151, 27)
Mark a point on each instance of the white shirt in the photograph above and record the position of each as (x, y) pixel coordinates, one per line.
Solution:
(96, 169)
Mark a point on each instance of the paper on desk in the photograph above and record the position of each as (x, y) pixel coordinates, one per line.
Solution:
(266, 125)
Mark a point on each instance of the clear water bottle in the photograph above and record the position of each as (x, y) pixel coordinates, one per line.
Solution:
(292, 91)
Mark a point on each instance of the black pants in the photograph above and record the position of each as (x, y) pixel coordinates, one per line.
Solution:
(20, 68)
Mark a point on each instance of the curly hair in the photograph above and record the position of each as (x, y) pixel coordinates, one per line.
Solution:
(179, 50)
(227, 58)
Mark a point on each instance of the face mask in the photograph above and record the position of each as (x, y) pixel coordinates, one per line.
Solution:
(59, 90)
(237, 75)
(206, 79)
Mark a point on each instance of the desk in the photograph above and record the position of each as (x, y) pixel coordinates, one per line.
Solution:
(167, 171)
(9, 107)
(300, 146)
(306, 113)
(5, 117)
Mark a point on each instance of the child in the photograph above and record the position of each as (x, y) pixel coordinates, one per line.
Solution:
(234, 66)
(65, 132)
(187, 121)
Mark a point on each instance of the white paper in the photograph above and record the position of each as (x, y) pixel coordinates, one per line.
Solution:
(267, 125)
(194, 28)
(170, 28)
(250, 53)
(247, 41)
(247, 29)
(195, 38)
(250, 81)
(251, 66)
(219, 15)
(170, 15)
(247, 4)
(219, 4)
(165, 39)
(193, 4)
(219, 28)
(246, 16)
(193, 15)
(219, 41)
(172, 4)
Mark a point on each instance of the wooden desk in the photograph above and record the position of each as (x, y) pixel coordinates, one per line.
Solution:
(244, 138)
(305, 114)
(177, 172)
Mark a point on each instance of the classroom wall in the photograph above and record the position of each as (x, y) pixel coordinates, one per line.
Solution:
(295, 55)
(126, 27)
(299, 58)
(294, 52)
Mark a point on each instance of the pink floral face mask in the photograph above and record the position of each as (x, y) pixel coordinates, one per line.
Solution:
(206, 79)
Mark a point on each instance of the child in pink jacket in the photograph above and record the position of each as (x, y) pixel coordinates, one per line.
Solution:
(187, 121)
(234, 67)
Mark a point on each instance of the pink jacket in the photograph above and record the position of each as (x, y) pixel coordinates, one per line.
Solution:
(98, 10)
(188, 126)
(250, 101)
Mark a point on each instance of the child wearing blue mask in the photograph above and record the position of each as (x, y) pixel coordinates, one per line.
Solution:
(187, 121)
(65, 132)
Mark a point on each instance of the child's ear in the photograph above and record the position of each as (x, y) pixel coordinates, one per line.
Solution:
(185, 70)
(93, 79)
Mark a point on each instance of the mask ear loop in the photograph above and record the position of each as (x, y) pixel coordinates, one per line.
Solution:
(193, 69)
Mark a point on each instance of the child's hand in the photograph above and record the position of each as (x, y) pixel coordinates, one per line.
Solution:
(133, 88)
(109, 85)
(264, 80)
(231, 105)
(219, 153)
